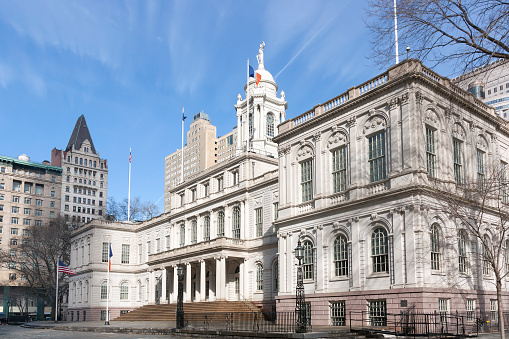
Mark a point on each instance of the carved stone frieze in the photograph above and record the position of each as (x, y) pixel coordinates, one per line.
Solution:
(375, 122)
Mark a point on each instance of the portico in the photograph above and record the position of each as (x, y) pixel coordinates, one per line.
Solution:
(213, 270)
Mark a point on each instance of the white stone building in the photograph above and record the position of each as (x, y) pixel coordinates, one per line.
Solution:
(219, 227)
(356, 175)
(351, 183)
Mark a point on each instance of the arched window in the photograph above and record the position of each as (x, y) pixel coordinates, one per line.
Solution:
(341, 256)
(377, 167)
(86, 291)
(220, 224)
(104, 290)
(462, 252)
(236, 223)
(80, 292)
(124, 291)
(251, 129)
(206, 228)
(259, 277)
(194, 232)
(275, 274)
(270, 125)
(379, 251)
(182, 235)
(486, 266)
(309, 260)
(435, 240)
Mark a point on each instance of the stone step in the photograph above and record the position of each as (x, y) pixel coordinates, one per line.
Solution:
(166, 312)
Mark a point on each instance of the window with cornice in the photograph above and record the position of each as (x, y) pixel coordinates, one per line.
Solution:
(431, 156)
(236, 223)
(182, 235)
(220, 224)
(339, 169)
(458, 162)
(206, 228)
(306, 179)
(377, 165)
(194, 232)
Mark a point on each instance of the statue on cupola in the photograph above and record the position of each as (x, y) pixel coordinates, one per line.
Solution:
(257, 125)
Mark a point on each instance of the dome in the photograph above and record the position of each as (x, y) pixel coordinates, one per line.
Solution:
(266, 76)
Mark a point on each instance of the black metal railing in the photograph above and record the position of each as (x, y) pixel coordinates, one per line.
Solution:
(409, 323)
(243, 321)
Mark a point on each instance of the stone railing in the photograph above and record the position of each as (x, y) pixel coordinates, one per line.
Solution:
(337, 198)
(308, 206)
(397, 71)
(204, 246)
(378, 187)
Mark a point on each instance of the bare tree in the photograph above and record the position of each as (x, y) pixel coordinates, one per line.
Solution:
(480, 208)
(138, 210)
(35, 257)
(464, 33)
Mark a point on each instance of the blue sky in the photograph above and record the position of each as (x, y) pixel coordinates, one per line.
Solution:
(131, 66)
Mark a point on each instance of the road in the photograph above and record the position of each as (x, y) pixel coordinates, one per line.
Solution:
(14, 332)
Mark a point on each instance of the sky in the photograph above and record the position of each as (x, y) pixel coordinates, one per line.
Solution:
(130, 66)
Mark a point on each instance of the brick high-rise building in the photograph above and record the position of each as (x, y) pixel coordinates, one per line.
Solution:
(85, 176)
(29, 196)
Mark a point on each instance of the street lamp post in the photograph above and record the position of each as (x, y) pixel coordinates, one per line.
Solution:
(180, 297)
(300, 299)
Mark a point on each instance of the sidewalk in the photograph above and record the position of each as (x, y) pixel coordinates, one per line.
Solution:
(168, 328)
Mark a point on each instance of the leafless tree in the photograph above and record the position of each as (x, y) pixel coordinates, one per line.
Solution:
(138, 210)
(34, 258)
(463, 33)
(480, 207)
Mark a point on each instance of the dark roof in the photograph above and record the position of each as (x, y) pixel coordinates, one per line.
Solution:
(80, 134)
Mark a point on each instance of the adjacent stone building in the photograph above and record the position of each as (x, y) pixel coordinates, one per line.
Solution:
(84, 176)
(29, 196)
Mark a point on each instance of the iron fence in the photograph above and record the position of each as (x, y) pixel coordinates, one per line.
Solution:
(243, 321)
(409, 323)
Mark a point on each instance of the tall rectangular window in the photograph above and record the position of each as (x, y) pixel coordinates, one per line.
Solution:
(470, 310)
(140, 253)
(480, 167)
(306, 180)
(339, 169)
(378, 312)
(194, 232)
(443, 309)
(259, 221)
(105, 252)
(168, 243)
(504, 182)
(276, 210)
(126, 251)
(493, 310)
(158, 245)
(431, 155)
(206, 228)
(337, 313)
(458, 163)
(220, 184)
(377, 165)
(182, 235)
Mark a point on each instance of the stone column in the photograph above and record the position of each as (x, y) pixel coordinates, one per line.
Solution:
(223, 278)
(241, 281)
(163, 287)
(218, 278)
(239, 131)
(289, 263)
(202, 280)
(151, 288)
(243, 222)
(188, 283)
(175, 284)
(319, 259)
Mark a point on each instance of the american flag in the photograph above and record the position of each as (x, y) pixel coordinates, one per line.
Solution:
(63, 268)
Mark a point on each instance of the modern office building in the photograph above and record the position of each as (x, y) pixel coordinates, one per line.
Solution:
(30, 195)
(200, 152)
(84, 176)
(352, 179)
(489, 84)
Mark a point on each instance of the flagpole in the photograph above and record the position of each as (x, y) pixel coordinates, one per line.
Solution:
(107, 322)
(246, 136)
(56, 297)
(182, 155)
(129, 190)
(396, 31)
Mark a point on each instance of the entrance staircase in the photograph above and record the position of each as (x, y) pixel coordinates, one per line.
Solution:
(166, 312)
